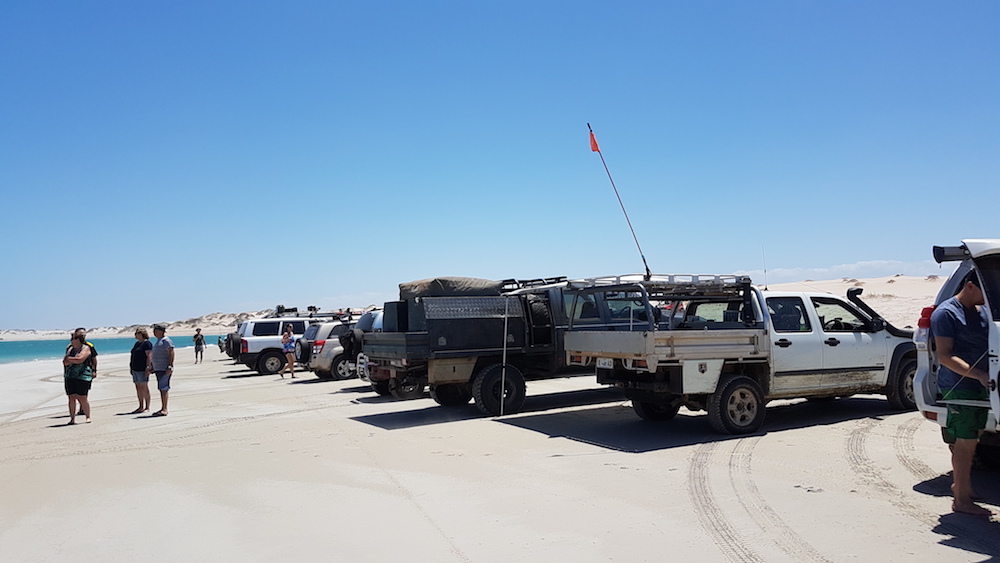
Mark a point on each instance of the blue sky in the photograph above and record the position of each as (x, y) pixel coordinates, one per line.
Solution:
(164, 160)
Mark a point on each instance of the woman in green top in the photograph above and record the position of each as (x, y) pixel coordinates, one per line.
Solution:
(77, 375)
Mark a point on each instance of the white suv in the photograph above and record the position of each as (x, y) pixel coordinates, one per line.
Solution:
(982, 256)
(260, 342)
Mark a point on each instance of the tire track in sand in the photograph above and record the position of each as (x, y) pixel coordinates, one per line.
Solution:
(902, 443)
(733, 547)
(754, 503)
(870, 475)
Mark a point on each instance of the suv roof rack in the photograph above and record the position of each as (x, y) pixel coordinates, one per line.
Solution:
(314, 313)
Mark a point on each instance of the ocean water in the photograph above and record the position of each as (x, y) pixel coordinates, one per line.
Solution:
(32, 350)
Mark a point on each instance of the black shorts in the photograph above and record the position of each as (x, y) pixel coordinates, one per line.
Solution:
(77, 386)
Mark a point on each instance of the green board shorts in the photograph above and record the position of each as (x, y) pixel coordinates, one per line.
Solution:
(965, 422)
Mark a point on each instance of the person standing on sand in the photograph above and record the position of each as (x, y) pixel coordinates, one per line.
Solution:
(961, 335)
(288, 347)
(93, 353)
(77, 375)
(163, 365)
(141, 365)
(199, 346)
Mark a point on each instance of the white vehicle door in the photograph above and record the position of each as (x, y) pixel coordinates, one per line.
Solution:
(796, 351)
(994, 368)
(853, 356)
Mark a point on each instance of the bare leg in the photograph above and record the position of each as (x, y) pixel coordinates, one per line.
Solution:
(961, 464)
(291, 363)
(144, 398)
(85, 405)
(163, 401)
(72, 408)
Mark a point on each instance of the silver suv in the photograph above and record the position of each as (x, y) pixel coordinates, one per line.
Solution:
(319, 349)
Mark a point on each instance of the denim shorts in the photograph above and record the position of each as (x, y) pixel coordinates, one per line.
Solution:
(140, 376)
(162, 381)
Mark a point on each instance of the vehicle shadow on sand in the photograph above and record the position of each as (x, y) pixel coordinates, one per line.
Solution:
(619, 428)
(435, 414)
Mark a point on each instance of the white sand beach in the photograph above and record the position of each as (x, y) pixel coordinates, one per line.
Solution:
(259, 468)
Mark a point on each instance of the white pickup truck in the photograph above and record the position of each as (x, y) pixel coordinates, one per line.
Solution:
(720, 344)
(983, 256)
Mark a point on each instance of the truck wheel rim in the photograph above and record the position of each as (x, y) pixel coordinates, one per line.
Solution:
(742, 407)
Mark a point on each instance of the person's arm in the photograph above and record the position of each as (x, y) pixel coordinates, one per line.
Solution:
(149, 361)
(93, 360)
(77, 359)
(956, 364)
(171, 364)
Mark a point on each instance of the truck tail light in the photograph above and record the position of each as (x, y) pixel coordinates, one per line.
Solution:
(243, 346)
(929, 415)
(925, 317)
(318, 347)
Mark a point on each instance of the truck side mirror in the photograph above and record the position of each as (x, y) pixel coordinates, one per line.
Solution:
(878, 324)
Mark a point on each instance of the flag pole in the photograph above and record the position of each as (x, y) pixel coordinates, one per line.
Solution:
(595, 148)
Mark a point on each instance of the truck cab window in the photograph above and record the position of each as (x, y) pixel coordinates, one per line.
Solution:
(581, 306)
(788, 314)
(835, 317)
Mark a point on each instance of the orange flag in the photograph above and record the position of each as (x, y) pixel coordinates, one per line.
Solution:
(593, 143)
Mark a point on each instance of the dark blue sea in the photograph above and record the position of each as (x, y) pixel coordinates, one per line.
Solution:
(32, 350)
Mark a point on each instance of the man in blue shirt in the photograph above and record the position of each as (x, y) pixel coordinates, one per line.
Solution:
(163, 365)
(961, 335)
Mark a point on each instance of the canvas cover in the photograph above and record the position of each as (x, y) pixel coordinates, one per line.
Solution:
(449, 286)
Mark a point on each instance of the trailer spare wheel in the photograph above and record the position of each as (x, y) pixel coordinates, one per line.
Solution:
(654, 411)
(486, 389)
(451, 394)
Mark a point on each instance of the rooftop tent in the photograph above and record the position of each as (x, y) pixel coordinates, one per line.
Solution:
(449, 286)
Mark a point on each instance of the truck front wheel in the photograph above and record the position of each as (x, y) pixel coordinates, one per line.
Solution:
(489, 392)
(737, 407)
(451, 394)
(900, 393)
(654, 411)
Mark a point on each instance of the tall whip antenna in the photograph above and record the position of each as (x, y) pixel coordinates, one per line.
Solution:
(763, 260)
(595, 148)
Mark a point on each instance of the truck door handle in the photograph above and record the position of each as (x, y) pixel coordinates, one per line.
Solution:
(783, 343)
(831, 342)
(993, 385)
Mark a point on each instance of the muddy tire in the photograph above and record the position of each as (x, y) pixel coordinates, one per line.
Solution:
(451, 394)
(486, 389)
(901, 395)
(654, 411)
(737, 407)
